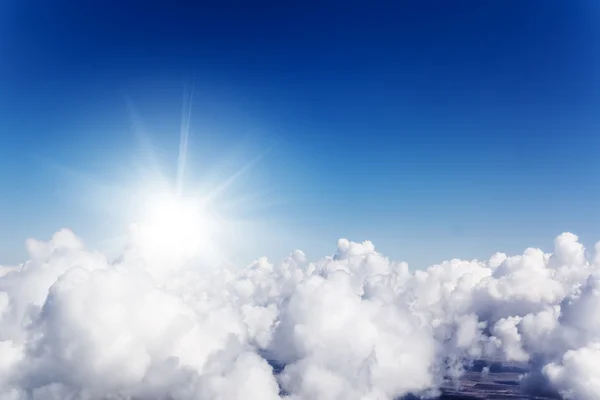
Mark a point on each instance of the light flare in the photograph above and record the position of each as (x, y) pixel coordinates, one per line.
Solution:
(173, 226)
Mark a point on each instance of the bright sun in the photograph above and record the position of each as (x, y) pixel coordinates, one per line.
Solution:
(173, 226)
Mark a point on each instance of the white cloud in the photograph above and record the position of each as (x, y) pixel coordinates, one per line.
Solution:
(352, 326)
(576, 374)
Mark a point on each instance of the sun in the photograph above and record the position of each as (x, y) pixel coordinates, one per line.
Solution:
(173, 227)
(175, 222)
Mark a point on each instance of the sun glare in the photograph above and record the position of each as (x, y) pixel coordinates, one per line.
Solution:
(173, 226)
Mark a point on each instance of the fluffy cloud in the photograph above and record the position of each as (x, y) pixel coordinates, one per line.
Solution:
(576, 374)
(354, 325)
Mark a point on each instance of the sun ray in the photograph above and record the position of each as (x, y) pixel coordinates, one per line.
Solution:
(142, 136)
(214, 193)
(186, 114)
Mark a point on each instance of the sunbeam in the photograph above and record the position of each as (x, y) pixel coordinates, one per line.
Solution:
(186, 115)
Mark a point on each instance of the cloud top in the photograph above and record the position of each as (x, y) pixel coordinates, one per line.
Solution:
(354, 325)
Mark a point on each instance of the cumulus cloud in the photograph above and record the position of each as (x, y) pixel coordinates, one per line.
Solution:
(353, 325)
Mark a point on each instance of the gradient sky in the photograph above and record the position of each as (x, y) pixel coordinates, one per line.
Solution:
(436, 129)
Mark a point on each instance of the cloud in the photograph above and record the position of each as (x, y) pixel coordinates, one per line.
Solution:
(354, 325)
(576, 374)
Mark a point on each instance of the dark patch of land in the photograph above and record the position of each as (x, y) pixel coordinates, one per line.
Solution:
(490, 381)
(482, 380)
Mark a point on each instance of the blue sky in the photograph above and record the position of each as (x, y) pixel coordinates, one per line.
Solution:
(435, 129)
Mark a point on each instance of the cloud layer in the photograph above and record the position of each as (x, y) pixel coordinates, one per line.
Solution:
(351, 326)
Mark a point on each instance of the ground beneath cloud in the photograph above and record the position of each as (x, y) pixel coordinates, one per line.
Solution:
(500, 382)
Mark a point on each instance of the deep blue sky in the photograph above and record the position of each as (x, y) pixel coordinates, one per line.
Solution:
(436, 129)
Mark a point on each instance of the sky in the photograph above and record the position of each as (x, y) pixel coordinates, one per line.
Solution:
(436, 130)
